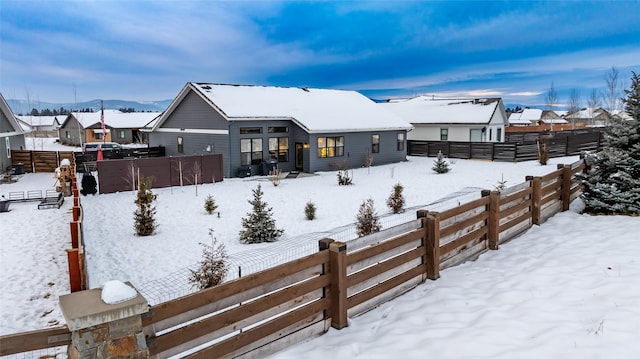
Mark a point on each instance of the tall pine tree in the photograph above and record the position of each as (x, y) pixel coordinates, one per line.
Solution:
(613, 186)
(259, 225)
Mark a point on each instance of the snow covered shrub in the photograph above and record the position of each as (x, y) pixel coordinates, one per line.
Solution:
(259, 225)
(213, 268)
(367, 219)
(210, 205)
(396, 199)
(613, 186)
(543, 150)
(440, 165)
(344, 178)
(144, 216)
(310, 211)
(274, 176)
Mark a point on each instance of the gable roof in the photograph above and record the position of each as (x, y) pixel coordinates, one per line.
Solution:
(114, 118)
(13, 121)
(42, 120)
(314, 110)
(426, 110)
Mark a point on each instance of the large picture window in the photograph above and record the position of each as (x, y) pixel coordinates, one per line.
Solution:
(375, 143)
(250, 151)
(279, 148)
(330, 147)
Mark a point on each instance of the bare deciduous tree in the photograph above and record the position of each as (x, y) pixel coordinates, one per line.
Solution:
(574, 106)
(551, 99)
(612, 91)
(593, 102)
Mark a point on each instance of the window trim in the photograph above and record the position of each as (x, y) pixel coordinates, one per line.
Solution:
(375, 143)
(400, 141)
(255, 156)
(327, 151)
(282, 153)
(444, 134)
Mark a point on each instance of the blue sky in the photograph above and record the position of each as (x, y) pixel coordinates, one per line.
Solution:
(66, 51)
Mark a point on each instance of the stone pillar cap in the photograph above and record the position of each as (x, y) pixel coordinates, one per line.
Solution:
(86, 309)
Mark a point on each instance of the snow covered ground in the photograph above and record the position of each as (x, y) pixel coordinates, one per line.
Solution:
(567, 288)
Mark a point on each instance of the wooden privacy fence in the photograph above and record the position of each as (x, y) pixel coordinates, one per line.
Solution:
(521, 146)
(39, 161)
(264, 312)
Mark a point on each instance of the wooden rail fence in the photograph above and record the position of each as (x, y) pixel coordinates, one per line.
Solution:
(264, 312)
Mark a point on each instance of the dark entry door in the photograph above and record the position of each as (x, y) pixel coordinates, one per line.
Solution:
(299, 156)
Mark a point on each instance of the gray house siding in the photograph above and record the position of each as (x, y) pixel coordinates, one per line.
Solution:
(15, 142)
(71, 132)
(357, 145)
(193, 144)
(194, 112)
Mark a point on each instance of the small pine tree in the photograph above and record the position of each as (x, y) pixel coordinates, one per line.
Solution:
(502, 184)
(367, 219)
(613, 186)
(344, 179)
(144, 216)
(396, 199)
(310, 211)
(210, 205)
(259, 225)
(440, 165)
(214, 266)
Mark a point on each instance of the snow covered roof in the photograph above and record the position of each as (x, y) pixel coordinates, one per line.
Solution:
(589, 112)
(314, 110)
(425, 110)
(116, 119)
(13, 120)
(554, 121)
(42, 120)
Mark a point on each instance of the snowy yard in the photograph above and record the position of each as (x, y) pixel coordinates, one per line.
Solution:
(566, 288)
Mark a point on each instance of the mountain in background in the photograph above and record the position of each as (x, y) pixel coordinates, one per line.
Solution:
(23, 107)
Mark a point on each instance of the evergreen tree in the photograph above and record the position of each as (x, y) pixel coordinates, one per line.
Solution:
(396, 199)
(613, 186)
(145, 222)
(210, 205)
(440, 165)
(367, 219)
(259, 225)
(214, 266)
(310, 211)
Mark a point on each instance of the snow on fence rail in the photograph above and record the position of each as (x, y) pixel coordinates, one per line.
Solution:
(263, 312)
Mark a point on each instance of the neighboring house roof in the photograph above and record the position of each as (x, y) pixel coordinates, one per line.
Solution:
(425, 110)
(554, 121)
(589, 112)
(39, 121)
(13, 120)
(314, 110)
(115, 118)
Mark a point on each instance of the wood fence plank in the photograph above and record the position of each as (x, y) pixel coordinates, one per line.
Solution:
(34, 340)
(383, 287)
(461, 241)
(480, 202)
(462, 225)
(383, 266)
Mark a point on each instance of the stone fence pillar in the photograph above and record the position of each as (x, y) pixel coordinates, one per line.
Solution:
(100, 330)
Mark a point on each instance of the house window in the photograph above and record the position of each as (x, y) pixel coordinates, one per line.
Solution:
(250, 130)
(98, 135)
(66, 134)
(400, 142)
(120, 133)
(499, 135)
(8, 146)
(250, 151)
(330, 147)
(279, 129)
(444, 134)
(475, 135)
(180, 146)
(375, 143)
(279, 148)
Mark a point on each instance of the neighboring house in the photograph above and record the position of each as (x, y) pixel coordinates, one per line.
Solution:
(300, 129)
(120, 127)
(11, 134)
(528, 117)
(590, 117)
(467, 120)
(43, 126)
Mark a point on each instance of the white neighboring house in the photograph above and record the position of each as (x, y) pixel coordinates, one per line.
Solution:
(465, 120)
(43, 126)
(528, 117)
(11, 134)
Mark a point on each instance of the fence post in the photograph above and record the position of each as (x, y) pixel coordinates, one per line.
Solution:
(566, 186)
(75, 278)
(338, 294)
(493, 221)
(75, 233)
(431, 224)
(536, 194)
(324, 244)
(101, 330)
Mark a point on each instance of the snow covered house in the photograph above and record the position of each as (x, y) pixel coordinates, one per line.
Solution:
(300, 129)
(467, 120)
(11, 134)
(590, 116)
(42, 126)
(120, 127)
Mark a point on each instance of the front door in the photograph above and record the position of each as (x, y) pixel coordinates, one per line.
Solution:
(299, 156)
